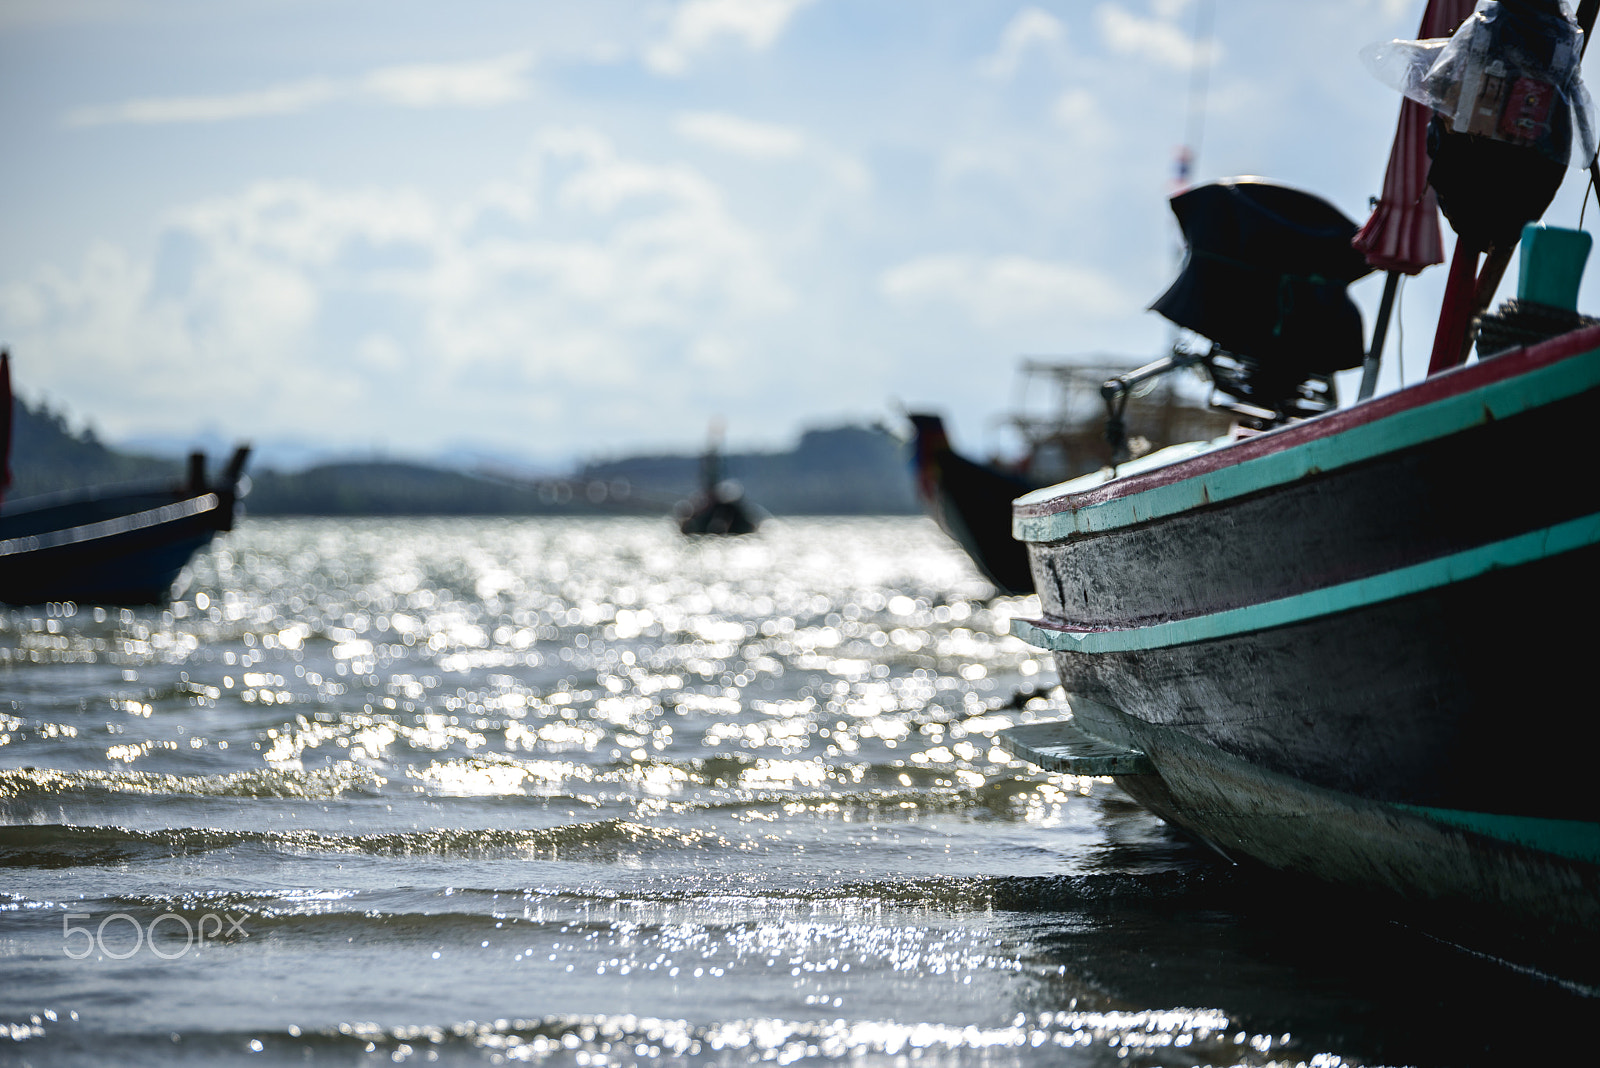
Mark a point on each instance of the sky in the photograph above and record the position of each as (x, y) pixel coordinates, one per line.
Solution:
(587, 228)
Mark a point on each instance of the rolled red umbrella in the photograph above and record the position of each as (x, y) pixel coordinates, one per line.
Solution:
(1402, 236)
(1403, 233)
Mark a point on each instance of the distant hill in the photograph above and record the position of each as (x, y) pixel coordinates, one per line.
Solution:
(848, 470)
(47, 456)
(392, 488)
(841, 471)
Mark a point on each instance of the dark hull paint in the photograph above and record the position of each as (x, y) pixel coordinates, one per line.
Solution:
(723, 517)
(1409, 701)
(971, 502)
(122, 550)
(1316, 746)
(1244, 810)
(1366, 519)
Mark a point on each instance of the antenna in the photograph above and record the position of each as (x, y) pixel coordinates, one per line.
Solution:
(1199, 83)
(1195, 123)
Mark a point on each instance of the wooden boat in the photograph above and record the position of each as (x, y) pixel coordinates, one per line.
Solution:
(113, 547)
(1295, 646)
(970, 500)
(716, 513)
(719, 508)
(1350, 646)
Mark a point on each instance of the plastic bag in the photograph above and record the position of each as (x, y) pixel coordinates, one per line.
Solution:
(1510, 73)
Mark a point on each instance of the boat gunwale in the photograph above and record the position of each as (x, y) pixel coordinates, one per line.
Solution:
(166, 514)
(1038, 518)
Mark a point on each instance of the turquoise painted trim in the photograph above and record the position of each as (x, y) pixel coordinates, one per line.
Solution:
(1577, 839)
(1498, 400)
(1375, 589)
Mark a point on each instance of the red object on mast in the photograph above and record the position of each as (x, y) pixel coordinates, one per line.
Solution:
(1403, 233)
(1402, 236)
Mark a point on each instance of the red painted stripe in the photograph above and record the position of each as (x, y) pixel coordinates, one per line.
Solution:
(1452, 383)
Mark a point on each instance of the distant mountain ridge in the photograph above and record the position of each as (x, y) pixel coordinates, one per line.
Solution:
(847, 470)
(48, 456)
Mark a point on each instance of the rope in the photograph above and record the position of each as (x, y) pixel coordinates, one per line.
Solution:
(1400, 331)
(1594, 169)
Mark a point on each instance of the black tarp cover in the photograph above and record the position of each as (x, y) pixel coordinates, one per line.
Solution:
(1266, 274)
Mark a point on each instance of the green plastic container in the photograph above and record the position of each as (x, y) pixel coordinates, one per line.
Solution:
(1552, 265)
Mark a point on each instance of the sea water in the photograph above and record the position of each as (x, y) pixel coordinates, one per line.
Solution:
(585, 792)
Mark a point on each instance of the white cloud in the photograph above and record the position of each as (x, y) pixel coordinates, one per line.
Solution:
(479, 83)
(303, 223)
(485, 83)
(1157, 39)
(1079, 111)
(769, 141)
(743, 137)
(286, 99)
(1000, 291)
(382, 354)
(1029, 29)
(296, 306)
(1394, 9)
(697, 26)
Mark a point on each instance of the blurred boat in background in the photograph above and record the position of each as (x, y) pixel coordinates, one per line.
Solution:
(117, 545)
(1066, 437)
(719, 507)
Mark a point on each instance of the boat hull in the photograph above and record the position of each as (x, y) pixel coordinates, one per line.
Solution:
(122, 550)
(1388, 747)
(971, 502)
(1350, 648)
(722, 517)
(1412, 700)
(1454, 866)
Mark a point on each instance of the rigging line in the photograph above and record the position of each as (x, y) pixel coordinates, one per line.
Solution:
(1587, 190)
(1199, 79)
(1400, 331)
(1195, 121)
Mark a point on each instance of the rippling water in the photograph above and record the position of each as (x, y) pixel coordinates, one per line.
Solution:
(586, 793)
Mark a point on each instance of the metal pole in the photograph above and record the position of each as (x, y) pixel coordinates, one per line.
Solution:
(1380, 334)
(1585, 17)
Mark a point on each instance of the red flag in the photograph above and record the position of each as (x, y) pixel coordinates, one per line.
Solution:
(1403, 233)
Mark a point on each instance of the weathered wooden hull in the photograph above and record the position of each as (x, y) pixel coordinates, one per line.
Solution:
(118, 550)
(1457, 871)
(1355, 647)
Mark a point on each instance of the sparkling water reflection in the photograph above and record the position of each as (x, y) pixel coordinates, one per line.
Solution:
(583, 792)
